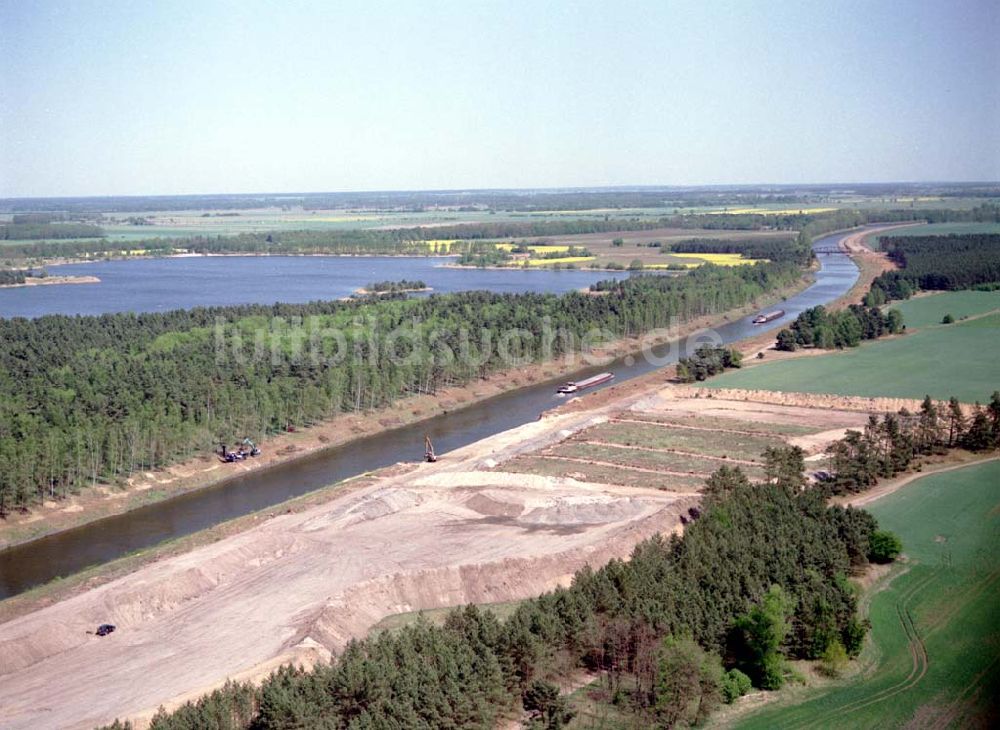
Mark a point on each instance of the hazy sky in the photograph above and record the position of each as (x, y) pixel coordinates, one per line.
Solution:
(196, 97)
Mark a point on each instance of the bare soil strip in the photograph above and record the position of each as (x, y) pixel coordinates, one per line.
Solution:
(811, 400)
(598, 462)
(604, 472)
(671, 424)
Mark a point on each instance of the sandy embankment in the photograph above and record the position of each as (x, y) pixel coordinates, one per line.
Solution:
(298, 586)
(814, 400)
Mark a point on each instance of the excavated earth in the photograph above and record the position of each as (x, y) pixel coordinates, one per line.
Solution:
(297, 587)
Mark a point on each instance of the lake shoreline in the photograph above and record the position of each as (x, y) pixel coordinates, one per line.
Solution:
(102, 258)
(157, 285)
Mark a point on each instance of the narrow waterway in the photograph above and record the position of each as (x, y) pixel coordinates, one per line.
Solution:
(65, 553)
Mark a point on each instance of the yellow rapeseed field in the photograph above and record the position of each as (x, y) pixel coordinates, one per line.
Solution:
(719, 259)
(564, 260)
(441, 245)
(541, 248)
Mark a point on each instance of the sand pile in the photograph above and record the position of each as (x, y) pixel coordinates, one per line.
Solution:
(490, 504)
(585, 511)
(812, 400)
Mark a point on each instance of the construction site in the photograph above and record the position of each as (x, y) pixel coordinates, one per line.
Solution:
(500, 520)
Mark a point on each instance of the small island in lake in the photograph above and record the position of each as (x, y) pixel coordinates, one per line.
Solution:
(18, 277)
(387, 288)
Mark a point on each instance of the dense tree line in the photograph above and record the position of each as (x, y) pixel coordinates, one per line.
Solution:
(388, 287)
(815, 225)
(984, 213)
(485, 253)
(797, 250)
(818, 327)
(889, 445)
(38, 218)
(10, 277)
(767, 277)
(347, 242)
(758, 576)
(937, 262)
(92, 399)
(572, 251)
(988, 212)
(706, 362)
(479, 253)
(40, 231)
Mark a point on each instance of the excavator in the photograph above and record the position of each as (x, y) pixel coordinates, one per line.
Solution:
(249, 447)
(429, 454)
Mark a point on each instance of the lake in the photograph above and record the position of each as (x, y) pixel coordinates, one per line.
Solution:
(160, 285)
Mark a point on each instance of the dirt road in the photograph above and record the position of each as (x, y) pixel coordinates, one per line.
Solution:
(890, 486)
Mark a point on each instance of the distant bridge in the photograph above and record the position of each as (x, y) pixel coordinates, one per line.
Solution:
(828, 250)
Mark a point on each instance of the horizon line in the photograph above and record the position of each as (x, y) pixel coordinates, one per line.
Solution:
(514, 190)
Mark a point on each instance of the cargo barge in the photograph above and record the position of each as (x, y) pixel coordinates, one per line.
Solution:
(578, 385)
(768, 316)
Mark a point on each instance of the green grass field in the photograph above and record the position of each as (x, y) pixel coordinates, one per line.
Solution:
(437, 616)
(957, 360)
(709, 443)
(683, 464)
(934, 654)
(929, 310)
